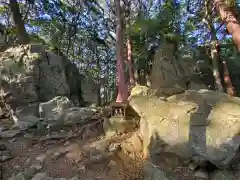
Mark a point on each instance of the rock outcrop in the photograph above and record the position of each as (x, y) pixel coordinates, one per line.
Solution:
(199, 123)
(29, 75)
(173, 74)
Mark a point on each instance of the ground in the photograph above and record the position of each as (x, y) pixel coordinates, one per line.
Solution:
(79, 152)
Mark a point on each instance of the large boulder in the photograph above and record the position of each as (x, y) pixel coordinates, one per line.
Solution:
(173, 74)
(30, 74)
(195, 123)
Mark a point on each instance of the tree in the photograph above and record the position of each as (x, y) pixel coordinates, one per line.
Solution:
(215, 54)
(129, 43)
(228, 17)
(19, 22)
(122, 94)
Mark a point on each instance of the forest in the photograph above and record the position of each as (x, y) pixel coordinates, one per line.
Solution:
(93, 89)
(89, 33)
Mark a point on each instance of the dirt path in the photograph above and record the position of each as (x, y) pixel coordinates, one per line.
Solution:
(87, 155)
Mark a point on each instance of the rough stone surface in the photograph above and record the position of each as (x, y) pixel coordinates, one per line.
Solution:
(30, 74)
(76, 114)
(169, 74)
(1, 112)
(222, 175)
(54, 106)
(193, 165)
(44, 176)
(27, 174)
(201, 173)
(203, 123)
(9, 134)
(41, 158)
(27, 110)
(26, 122)
(67, 117)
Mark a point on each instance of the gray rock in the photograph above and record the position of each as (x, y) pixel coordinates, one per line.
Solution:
(17, 167)
(56, 155)
(75, 115)
(44, 176)
(36, 166)
(41, 176)
(27, 122)
(54, 106)
(28, 135)
(1, 112)
(5, 157)
(201, 173)
(27, 162)
(97, 158)
(222, 175)
(33, 67)
(169, 75)
(19, 176)
(10, 133)
(74, 178)
(26, 175)
(26, 110)
(41, 158)
(3, 128)
(193, 165)
(29, 172)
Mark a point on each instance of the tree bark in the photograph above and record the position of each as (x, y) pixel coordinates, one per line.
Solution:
(215, 56)
(228, 17)
(98, 79)
(227, 80)
(129, 45)
(17, 17)
(122, 94)
(215, 65)
(130, 63)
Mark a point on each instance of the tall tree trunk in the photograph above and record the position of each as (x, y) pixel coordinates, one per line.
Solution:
(17, 17)
(227, 80)
(228, 17)
(107, 89)
(129, 45)
(130, 63)
(122, 94)
(215, 65)
(215, 56)
(98, 82)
